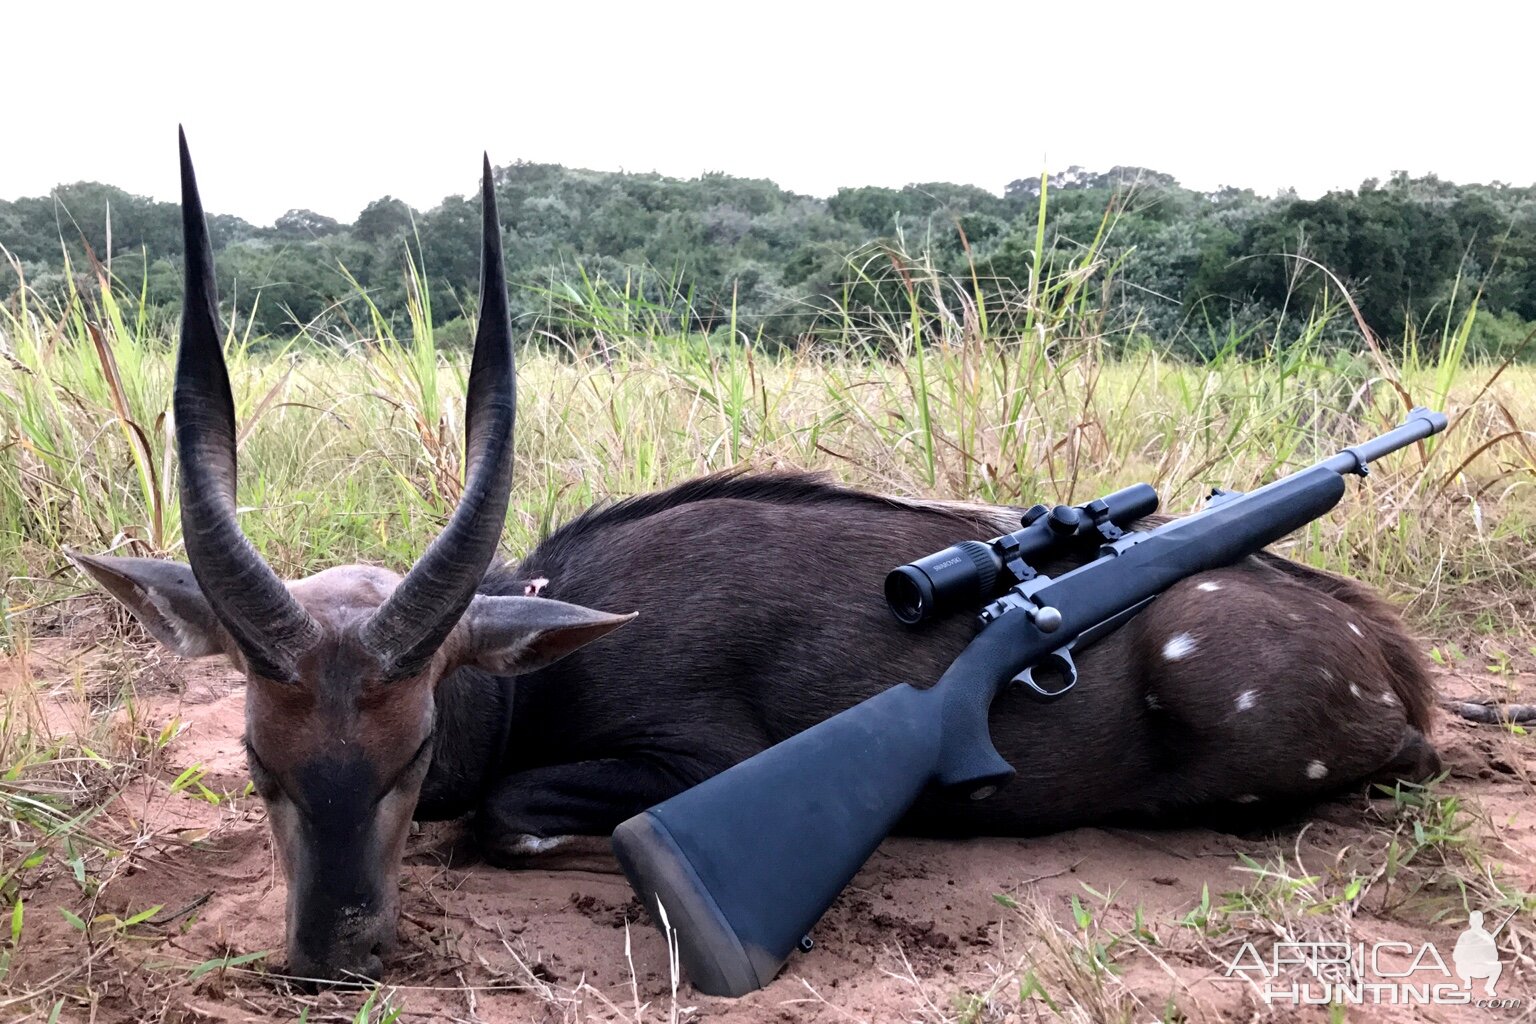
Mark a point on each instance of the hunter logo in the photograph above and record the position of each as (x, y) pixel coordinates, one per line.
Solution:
(1392, 973)
(1476, 956)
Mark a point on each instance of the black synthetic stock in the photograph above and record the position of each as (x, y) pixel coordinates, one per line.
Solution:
(744, 864)
(806, 841)
(424, 608)
(266, 623)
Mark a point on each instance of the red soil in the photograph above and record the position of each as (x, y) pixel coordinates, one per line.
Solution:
(920, 929)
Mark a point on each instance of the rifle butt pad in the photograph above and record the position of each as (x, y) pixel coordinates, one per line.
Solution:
(716, 960)
(746, 862)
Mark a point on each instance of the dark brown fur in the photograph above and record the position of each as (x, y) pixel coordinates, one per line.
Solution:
(761, 613)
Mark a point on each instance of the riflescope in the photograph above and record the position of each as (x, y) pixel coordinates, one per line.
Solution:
(974, 572)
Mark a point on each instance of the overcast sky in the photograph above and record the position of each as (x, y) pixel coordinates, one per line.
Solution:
(329, 105)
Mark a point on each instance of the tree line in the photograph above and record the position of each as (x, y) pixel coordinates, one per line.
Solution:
(1191, 270)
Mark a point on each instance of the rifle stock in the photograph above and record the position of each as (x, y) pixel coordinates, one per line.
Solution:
(742, 865)
(809, 840)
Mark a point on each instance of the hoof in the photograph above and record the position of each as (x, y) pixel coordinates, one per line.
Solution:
(1414, 761)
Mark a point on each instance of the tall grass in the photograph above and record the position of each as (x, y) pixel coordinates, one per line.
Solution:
(350, 445)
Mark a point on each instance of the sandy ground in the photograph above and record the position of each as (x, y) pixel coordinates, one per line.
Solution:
(929, 930)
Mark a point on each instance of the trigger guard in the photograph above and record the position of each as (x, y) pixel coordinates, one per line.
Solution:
(1062, 660)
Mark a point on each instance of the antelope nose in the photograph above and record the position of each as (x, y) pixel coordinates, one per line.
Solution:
(355, 962)
(310, 975)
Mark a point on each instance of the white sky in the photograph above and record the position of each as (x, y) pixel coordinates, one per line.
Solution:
(329, 105)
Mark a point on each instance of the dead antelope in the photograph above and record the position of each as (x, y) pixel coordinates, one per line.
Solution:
(372, 697)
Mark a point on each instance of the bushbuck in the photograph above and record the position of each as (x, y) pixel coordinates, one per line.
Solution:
(372, 697)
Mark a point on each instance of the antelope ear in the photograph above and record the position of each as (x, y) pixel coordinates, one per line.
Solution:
(163, 596)
(513, 635)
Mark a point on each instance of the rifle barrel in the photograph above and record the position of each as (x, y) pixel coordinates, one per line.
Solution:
(1421, 423)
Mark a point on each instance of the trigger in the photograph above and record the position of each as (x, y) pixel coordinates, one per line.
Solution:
(1058, 663)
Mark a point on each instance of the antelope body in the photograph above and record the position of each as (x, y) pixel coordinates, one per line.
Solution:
(372, 697)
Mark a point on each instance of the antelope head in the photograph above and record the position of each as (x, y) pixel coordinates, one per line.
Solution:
(341, 667)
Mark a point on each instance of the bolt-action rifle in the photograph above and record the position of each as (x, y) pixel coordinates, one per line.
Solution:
(745, 863)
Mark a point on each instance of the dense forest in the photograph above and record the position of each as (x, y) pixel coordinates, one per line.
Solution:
(1186, 269)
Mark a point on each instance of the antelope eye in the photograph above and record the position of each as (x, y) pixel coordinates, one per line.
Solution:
(415, 766)
(265, 781)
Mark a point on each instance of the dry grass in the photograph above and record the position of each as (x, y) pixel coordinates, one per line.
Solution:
(340, 464)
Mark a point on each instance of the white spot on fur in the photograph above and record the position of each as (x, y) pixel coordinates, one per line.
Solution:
(1179, 648)
(1389, 697)
(1209, 588)
(535, 586)
(1354, 690)
(1316, 770)
(527, 845)
(1356, 630)
(1246, 699)
(1247, 798)
(1152, 702)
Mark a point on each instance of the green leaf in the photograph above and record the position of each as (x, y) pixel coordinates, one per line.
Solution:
(1031, 986)
(1080, 914)
(170, 731)
(143, 915)
(73, 919)
(16, 916)
(208, 966)
(187, 777)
